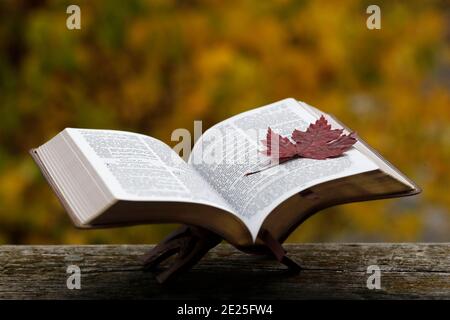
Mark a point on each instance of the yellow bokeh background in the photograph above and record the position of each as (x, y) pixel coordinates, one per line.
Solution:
(154, 66)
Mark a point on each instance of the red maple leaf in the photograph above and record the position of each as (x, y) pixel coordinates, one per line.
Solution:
(278, 147)
(319, 142)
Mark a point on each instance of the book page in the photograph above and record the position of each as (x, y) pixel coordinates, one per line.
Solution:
(362, 146)
(136, 167)
(229, 150)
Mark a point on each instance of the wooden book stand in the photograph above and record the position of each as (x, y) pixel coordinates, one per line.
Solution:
(191, 243)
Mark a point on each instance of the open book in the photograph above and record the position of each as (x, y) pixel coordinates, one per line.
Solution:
(114, 178)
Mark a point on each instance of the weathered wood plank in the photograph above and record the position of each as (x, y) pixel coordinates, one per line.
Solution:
(330, 271)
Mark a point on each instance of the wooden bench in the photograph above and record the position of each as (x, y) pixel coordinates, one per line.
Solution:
(330, 271)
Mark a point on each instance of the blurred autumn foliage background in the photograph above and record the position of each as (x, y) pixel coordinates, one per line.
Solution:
(153, 66)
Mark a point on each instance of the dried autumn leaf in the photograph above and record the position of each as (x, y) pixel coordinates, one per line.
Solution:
(318, 142)
(278, 147)
(316, 132)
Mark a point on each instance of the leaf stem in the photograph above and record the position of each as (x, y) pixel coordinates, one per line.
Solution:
(280, 161)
